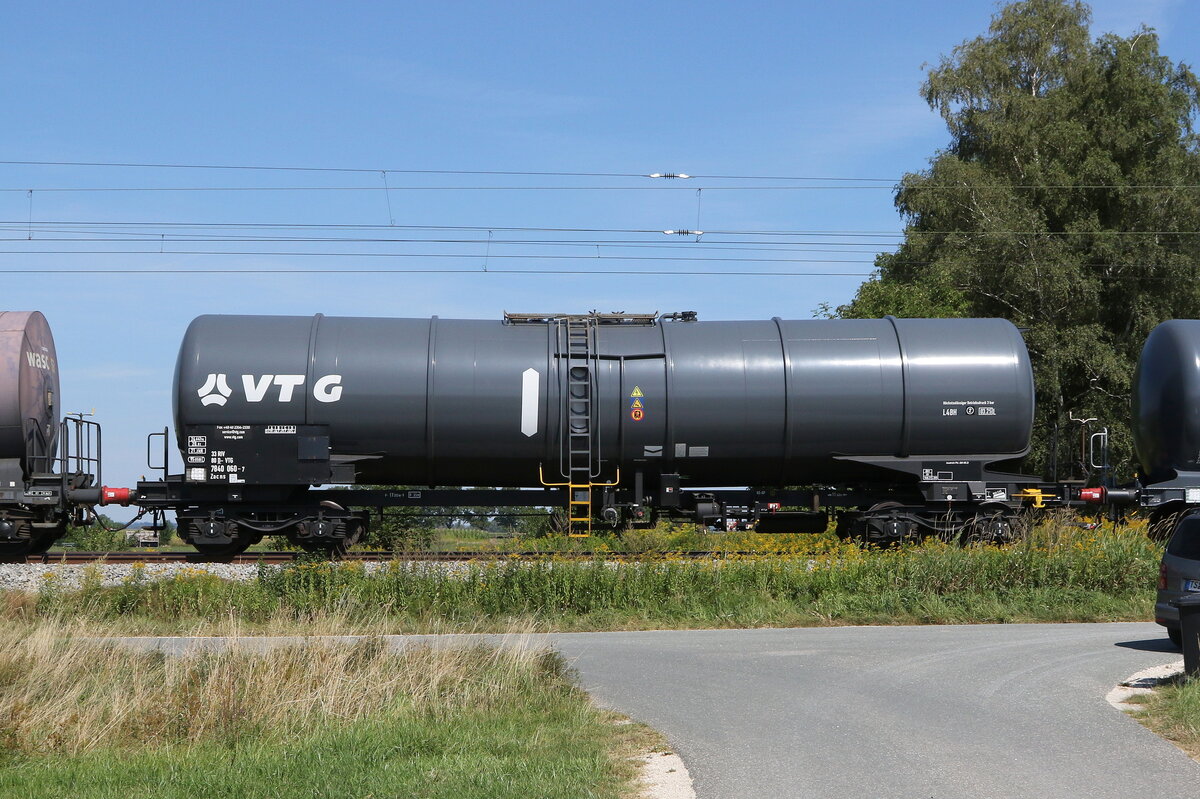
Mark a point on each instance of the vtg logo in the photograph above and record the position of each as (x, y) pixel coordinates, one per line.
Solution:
(216, 390)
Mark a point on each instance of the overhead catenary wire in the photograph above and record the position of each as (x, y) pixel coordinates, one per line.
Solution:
(513, 173)
(82, 236)
(405, 171)
(510, 256)
(253, 271)
(519, 256)
(98, 189)
(805, 187)
(546, 229)
(476, 271)
(765, 247)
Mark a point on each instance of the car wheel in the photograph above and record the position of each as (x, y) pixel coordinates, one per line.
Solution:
(1176, 636)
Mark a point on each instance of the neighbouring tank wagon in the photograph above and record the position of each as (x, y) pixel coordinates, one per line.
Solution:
(1166, 421)
(38, 473)
(28, 397)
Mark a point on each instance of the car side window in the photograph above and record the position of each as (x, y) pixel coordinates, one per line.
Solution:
(1185, 543)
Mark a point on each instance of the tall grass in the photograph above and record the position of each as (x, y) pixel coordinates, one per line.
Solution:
(1055, 573)
(62, 692)
(81, 718)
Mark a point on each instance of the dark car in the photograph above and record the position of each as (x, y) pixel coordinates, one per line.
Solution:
(1179, 573)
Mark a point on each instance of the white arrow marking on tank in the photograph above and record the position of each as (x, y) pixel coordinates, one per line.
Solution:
(214, 391)
(530, 395)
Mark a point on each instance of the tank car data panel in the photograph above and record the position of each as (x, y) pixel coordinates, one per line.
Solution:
(274, 454)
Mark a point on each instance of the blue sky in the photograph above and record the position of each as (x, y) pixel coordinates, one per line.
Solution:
(706, 88)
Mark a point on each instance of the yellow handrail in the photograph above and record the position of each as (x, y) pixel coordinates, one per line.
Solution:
(542, 480)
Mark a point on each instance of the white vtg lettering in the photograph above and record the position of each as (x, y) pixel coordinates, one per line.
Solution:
(328, 389)
(256, 387)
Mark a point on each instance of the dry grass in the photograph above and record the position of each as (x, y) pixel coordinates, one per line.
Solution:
(61, 691)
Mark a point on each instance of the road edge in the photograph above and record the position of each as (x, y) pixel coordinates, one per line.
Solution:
(664, 776)
(1140, 683)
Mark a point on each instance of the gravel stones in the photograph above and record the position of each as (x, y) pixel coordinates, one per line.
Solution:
(32, 576)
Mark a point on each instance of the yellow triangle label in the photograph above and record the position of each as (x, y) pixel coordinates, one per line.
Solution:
(637, 392)
(637, 403)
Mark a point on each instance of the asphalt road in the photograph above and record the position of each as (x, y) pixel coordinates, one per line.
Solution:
(974, 711)
(978, 712)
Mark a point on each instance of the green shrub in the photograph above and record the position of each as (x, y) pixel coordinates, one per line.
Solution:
(99, 536)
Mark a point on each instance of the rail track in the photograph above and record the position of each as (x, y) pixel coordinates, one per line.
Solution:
(289, 556)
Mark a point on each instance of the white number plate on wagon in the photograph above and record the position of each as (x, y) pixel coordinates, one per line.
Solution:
(1191, 585)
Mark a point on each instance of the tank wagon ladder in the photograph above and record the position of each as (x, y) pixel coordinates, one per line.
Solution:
(580, 459)
(581, 464)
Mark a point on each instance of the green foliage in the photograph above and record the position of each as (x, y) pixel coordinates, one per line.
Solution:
(1066, 201)
(1057, 573)
(99, 536)
(398, 529)
(552, 523)
(169, 534)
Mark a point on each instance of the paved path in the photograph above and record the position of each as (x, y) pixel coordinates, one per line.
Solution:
(975, 711)
(978, 712)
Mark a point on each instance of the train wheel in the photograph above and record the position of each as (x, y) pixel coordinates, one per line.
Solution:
(356, 529)
(884, 524)
(232, 539)
(42, 542)
(329, 548)
(15, 550)
(991, 524)
(236, 547)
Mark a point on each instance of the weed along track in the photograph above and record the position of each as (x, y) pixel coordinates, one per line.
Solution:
(284, 556)
(1056, 572)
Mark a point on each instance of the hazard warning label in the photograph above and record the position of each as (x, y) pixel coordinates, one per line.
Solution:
(637, 411)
